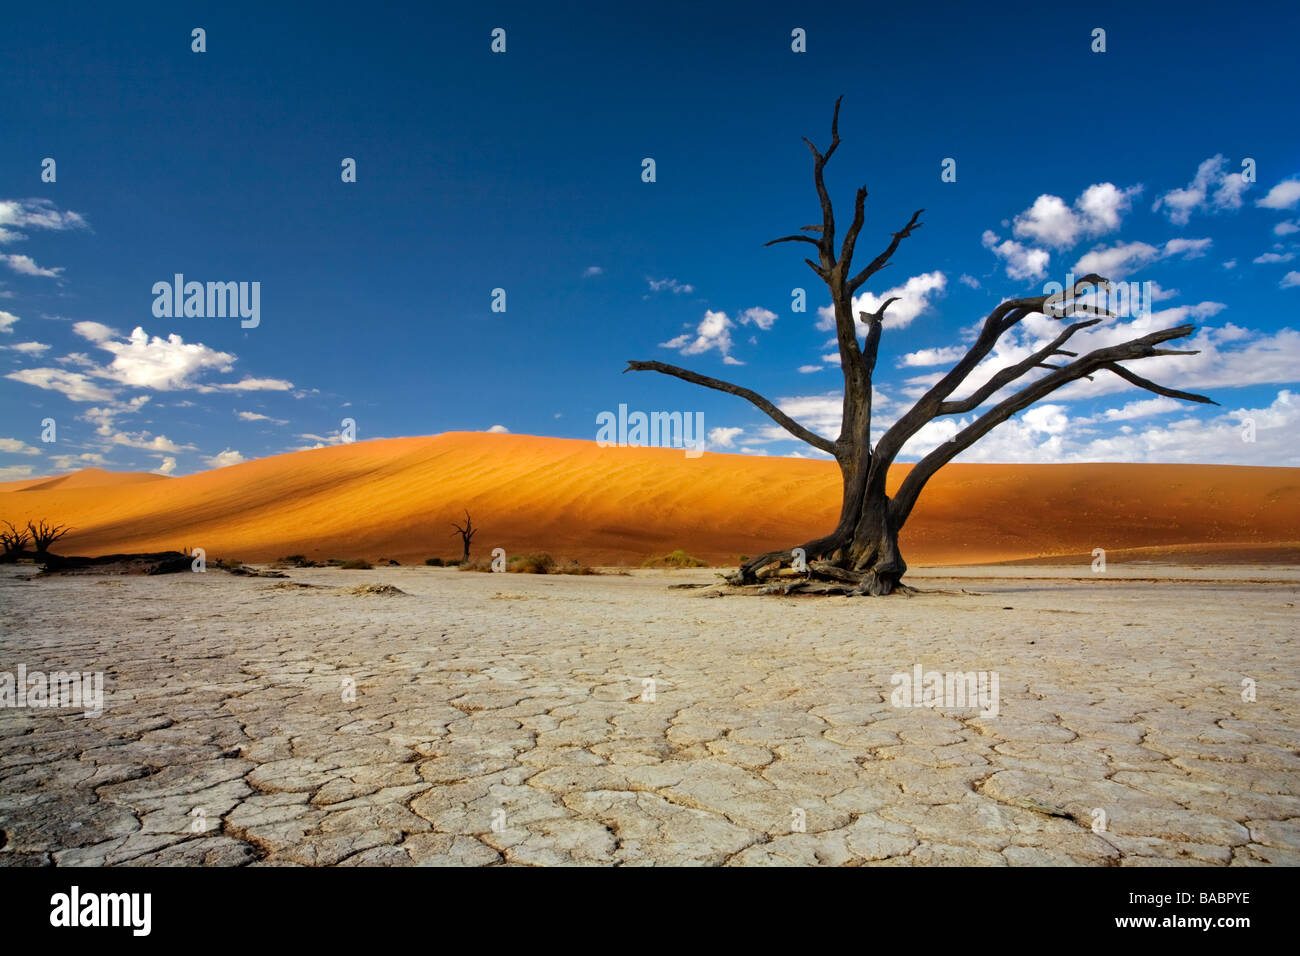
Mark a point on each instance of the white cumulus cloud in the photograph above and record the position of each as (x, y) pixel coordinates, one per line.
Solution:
(225, 458)
(713, 332)
(1282, 196)
(915, 296)
(1023, 262)
(1098, 210)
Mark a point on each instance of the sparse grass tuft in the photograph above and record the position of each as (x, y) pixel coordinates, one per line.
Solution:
(356, 564)
(295, 561)
(539, 562)
(677, 559)
(433, 562)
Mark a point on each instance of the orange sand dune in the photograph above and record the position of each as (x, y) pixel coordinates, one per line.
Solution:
(86, 478)
(395, 498)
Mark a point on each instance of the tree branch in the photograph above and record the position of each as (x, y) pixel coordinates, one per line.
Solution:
(827, 244)
(794, 238)
(882, 260)
(851, 237)
(1103, 358)
(772, 412)
(1151, 386)
(1013, 372)
(998, 322)
(874, 322)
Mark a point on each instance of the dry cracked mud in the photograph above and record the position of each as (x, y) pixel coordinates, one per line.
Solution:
(483, 719)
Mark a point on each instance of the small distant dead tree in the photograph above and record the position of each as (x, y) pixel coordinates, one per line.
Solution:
(861, 555)
(14, 541)
(45, 534)
(466, 532)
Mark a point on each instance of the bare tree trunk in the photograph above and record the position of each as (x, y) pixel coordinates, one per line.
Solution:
(861, 551)
(466, 532)
(874, 551)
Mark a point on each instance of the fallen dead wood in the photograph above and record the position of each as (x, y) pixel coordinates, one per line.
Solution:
(156, 562)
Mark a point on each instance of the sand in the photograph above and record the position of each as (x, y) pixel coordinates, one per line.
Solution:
(395, 499)
(503, 718)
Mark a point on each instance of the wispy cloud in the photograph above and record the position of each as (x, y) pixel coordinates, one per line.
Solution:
(28, 348)
(16, 214)
(671, 285)
(14, 446)
(259, 417)
(1213, 189)
(76, 386)
(1125, 258)
(26, 265)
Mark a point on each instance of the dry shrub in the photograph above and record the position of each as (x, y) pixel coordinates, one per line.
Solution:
(539, 562)
(677, 559)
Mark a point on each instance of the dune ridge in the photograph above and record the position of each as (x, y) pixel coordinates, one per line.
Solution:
(86, 478)
(395, 498)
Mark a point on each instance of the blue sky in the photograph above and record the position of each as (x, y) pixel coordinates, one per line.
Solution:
(523, 171)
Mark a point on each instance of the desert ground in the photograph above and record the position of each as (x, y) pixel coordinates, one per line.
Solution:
(487, 719)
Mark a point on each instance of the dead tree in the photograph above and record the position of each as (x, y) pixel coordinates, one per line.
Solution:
(13, 541)
(45, 534)
(466, 532)
(861, 555)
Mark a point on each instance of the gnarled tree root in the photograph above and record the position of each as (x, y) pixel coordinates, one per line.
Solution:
(824, 571)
